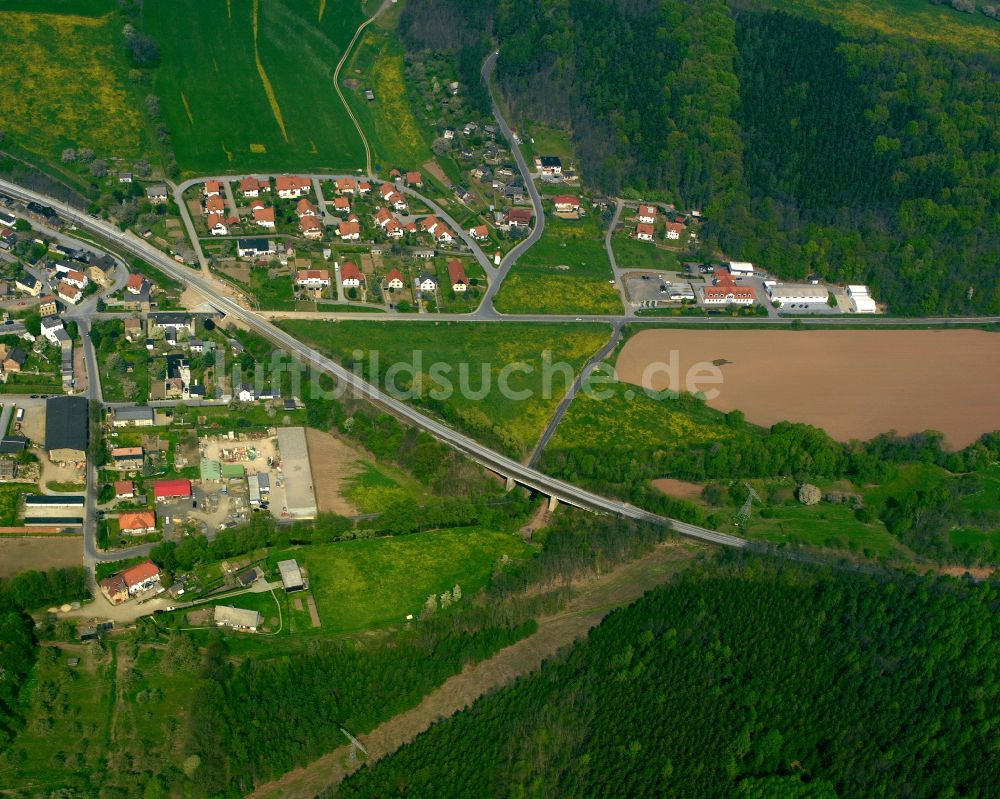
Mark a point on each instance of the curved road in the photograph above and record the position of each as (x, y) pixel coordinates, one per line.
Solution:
(494, 461)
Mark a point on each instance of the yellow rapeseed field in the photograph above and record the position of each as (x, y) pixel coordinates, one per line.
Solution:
(64, 79)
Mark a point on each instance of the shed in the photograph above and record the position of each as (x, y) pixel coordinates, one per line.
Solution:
(291, 577)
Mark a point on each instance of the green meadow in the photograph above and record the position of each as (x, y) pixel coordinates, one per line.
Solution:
(249, 85)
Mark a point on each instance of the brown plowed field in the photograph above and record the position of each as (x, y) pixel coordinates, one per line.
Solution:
(852, 383)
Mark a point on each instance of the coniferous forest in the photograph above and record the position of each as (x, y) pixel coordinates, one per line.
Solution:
(860, 156)
(746, 678)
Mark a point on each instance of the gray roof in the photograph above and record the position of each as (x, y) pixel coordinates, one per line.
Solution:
(236, 617)
(291, 577)
(134, 413)
(66, 423)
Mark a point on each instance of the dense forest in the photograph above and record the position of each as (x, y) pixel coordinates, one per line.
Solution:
(856, 156)
(747, 678)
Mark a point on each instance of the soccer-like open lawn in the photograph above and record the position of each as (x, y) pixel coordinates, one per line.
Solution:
(249, 85)
(567, 271)
(64, 75)
(436, 352)
(375, 581)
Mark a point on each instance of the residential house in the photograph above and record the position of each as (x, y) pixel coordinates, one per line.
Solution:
(310, 227)
(214, 205)
(135, 284)
(213, 188)
(347, 186)
(644, 232)
(141, 522)
(394, 280)
(47, 305)
(126, 459)
(456, 276)
(115, 589)
(133, 328)
(141, 577)
(124, 489)
(292, 186)
(49, 326)
(548, 165)
(251, 187)
(728, 294)
(449, 133)
(156, 192)
(675, 230)
(349, 231)
(518, 217)
(312, 278)
(427, 282)
(304, 208)
(166, 320)
(134, 416)
(29, 284)
(217, 225)
(263, 216)
(342, 205)
(566, 204)
(254, 248)
(414, 179)
(69, 293)
(350, 275)
(364, 188)
(124, 177)
(646, 214)
(479, 232)
(14, 359)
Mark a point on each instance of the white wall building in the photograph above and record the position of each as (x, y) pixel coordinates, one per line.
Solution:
(798, 294)
(861, 300)
(740, 268)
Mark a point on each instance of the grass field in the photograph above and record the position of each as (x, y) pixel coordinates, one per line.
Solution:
(65, 80)
(631, 253)
(567, 271)
(372, 582)
(393, 131)
(506, 421)
(248, 85)
(9, 494)
(373, 488)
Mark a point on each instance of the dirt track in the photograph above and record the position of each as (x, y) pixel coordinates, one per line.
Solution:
(852, 383)
(595, 600)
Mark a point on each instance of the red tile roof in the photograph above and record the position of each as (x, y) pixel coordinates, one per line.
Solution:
(566, 199)
(519, 215)
(214, 205)
(350, 270)
(312, 274)
(349, 228)
(303, 207)
(213, 187)
(136, 520)
(135, 282)
(124, 487)
(642, 227)
(287, 182)
(722, 292)
(456, 274)
(345, 184)
(168, 489)
(342, 203)
(413, 178)
(140, 572)
(394, 274)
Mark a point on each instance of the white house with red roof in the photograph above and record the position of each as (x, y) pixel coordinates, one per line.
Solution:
(349, 231)
(394, 279)
(414, 179)
(263, 215)
(479, 232)
(566, 204)
(69, 293)
(135, 284)
(289, 187)
(644, 231)
(456, 276)
(213, 188)
(347, 186)
(364, 187)
(675, 230)
(76, 278)
(310, 227)
(305, 208)
(251, 187)
(214, 205)
(312, 278)
(350, 275)
(217, 225)
(647, 214)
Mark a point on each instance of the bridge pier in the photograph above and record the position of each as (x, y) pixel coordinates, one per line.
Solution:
(553, 503)
(510, 485)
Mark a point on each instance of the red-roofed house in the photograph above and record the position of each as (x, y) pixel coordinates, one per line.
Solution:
(383, 217)
(69, 293)
(647, 214)
(479, 232)
(311, 227)
(342, 205)
(728, 295)
(124, 489)
(456, 275)
(350, 275)
(312, 278)
(217, 225)
(566, 203)
(349, 231)
(215, 205)
(675, 230)
(414, 179)
(305, 208)
(141, 576)
(347, 186)
(364, 187)
(519, 217)
(394, 230)
(644, 232)
(164, 490)
(213, 188)
(263, 216)
(115, 589)
(291, 186)
(251, 187)
(394, 280)
(135, 284)
(75, 278)
(138, 522)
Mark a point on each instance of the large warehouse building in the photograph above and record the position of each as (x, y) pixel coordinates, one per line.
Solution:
(794, 294)
(300, 499)
(66, 427)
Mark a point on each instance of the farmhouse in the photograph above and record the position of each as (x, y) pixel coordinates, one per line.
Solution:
(518, 217)
(126, 459)
(66, 427)
(644, 232)
(311, 227)
(479, 232)
(394, 279)
(254, 248)
(727, 295)
(263, 216)
(349, 231)
(156, 192)
(861, 300)
(646, 214)
(456, 274)
(566, 204)
(165, 490)
(237, 618)
(291, 186)
(312, 278)
(798, 294)
(251, 187)
(138, 522)
(350, 275)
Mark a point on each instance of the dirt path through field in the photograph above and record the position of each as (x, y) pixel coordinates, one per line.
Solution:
(594, 600)
(852, 383)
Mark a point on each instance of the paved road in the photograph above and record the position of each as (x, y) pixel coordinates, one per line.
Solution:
(497, 277)
(501, 464)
